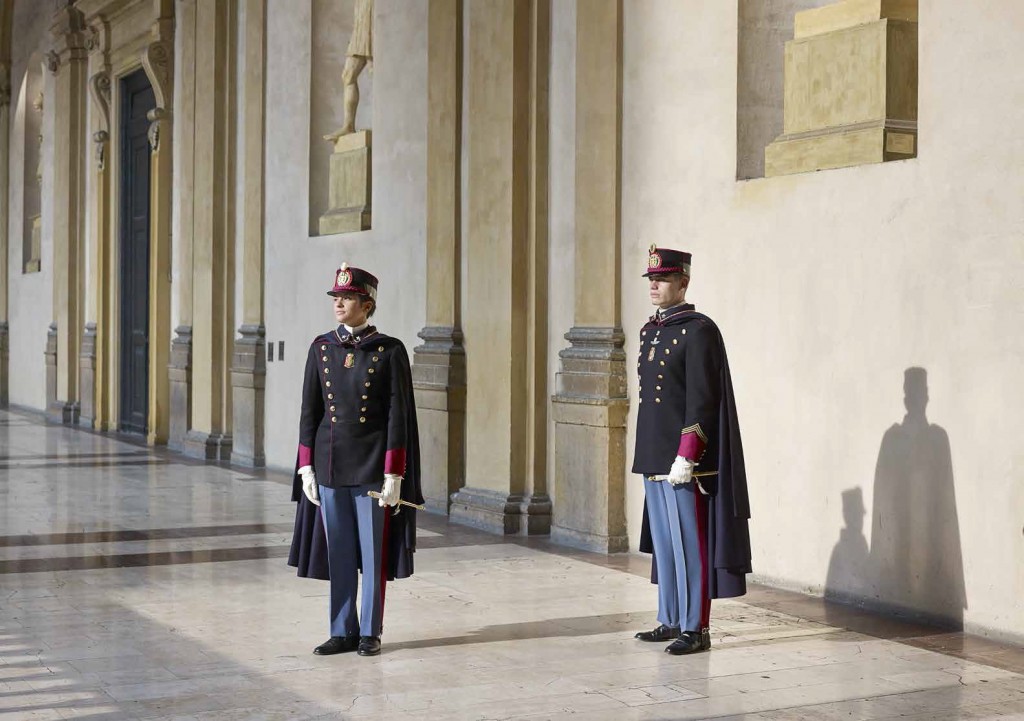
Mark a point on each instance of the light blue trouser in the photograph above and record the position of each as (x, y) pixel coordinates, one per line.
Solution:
(678, 517)
(355, 526)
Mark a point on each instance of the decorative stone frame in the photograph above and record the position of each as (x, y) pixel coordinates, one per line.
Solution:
(124, 36)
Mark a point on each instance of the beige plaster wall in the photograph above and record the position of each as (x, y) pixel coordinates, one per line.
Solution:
(30, 295)
(829, 285)
(299, 267)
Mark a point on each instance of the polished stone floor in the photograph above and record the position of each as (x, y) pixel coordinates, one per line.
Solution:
(137, 584)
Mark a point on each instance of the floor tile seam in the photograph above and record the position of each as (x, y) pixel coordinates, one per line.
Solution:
(137, 560)
(207, 532)
(157, 545)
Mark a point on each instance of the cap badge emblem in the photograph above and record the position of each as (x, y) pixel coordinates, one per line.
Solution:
(654, 260)
(344, 278)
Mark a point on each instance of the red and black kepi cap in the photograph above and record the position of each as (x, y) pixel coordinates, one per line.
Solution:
(662, 261)
(354, 280)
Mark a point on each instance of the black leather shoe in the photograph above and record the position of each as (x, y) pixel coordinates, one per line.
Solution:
(661, 633)
(337, 644)
(369, 645)
(689, 642)
(705, 639)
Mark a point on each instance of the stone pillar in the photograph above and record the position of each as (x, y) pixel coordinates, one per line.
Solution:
(499, 434)
(212, 253)
(850, 87)
(97, 352)
(5, 119)
(67, 61)
(158, 62)
(249, 365)
(590, 403)
(439, 365)
(179, 371)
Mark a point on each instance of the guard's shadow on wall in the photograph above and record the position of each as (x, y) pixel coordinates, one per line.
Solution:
(914, 566)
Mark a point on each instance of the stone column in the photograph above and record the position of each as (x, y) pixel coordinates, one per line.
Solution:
(439, 365)
(179, 370)
(67, 61)
(5, 158)
(249, 364)
(209, 436)
(158, 62)
(96, 353)
(499, 435)
(590, 403)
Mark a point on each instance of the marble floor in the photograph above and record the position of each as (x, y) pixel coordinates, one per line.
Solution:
(135, 584)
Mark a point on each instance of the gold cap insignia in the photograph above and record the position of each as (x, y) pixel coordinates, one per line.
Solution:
(654, 259)
(344, 277)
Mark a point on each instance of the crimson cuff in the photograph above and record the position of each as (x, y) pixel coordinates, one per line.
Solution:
(305, 456)
(394, 461)
(692, 443)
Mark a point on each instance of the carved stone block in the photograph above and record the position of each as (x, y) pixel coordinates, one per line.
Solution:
(349, 192)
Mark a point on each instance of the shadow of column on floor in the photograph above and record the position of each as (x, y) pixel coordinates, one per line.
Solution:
(914, 567)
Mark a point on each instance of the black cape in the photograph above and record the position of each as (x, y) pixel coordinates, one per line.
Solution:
(728, 540)
(308, 551)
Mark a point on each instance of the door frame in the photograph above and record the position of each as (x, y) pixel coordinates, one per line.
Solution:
(151, 48)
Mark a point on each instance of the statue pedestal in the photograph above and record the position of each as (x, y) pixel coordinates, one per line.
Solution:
(349, 194)
(850, 88)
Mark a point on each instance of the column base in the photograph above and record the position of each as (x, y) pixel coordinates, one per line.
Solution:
(439, 382)
(207, 446)
(590, 412)
(248, 381)
(502, 513)
(87, 376)
(179, 376)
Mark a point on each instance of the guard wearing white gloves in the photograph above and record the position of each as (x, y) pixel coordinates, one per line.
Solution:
(357, 436)
(689, 452)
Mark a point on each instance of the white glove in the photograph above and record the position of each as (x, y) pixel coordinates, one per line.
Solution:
(309, 484)
(391, 491)
(681, 472)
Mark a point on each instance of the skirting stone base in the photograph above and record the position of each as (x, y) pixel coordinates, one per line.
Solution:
(598, 543)
(502, 513)
(207, 446)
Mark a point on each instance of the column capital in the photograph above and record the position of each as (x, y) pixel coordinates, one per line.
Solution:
(69, 37)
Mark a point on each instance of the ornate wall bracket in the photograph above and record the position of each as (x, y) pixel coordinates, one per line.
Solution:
(156, 116)
(99, 89)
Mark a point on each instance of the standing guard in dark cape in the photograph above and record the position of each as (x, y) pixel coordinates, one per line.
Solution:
(357, 477)
(689, 452)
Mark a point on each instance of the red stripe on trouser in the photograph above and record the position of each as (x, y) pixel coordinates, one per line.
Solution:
(701, 510)
(384, 561)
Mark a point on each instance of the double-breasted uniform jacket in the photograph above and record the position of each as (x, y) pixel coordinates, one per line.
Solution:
(687, 408)
(353, 424)
(680, 388)
(358, 422)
